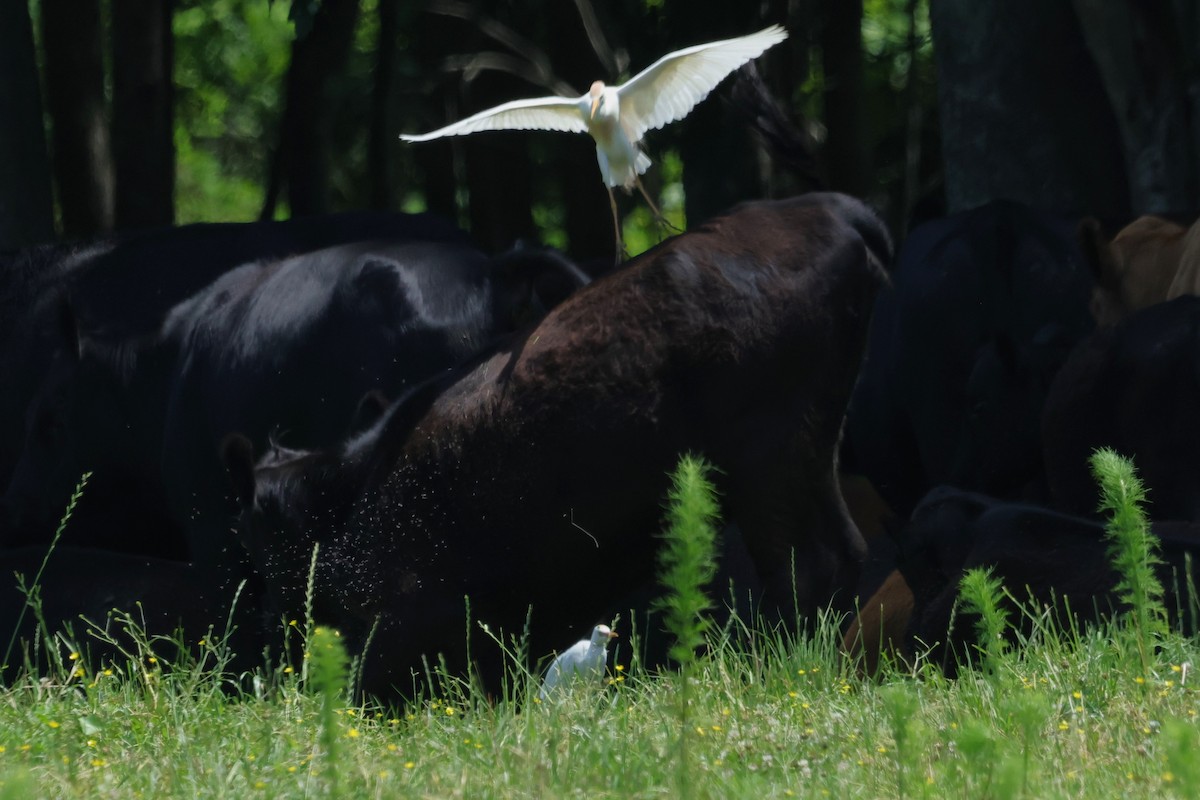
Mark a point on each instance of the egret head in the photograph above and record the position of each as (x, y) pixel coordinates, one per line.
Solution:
(597, 95)
(602, 633)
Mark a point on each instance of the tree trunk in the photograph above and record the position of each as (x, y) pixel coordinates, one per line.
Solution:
(74, 75)
(499, 181)
(433, 105)
(1147, 58)
(845, 152)
(1023, 112)
(26, 212)
(498, 168)
(791, 60)
(143, 113)
(383, 141)
(913, 123)
(301, 160)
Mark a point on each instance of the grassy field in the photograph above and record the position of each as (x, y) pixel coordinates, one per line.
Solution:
(1106, 712)
(768, 718)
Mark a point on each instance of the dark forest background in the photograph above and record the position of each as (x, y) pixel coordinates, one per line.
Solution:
(133, 113)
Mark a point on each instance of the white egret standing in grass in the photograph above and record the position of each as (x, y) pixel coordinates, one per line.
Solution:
(617, 117)
(585, 660)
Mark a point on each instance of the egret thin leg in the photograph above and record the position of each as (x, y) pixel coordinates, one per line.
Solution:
(658, 215)
(612, 202)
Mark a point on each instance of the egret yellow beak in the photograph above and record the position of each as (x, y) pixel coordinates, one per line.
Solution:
(613, 634)
(595, 105)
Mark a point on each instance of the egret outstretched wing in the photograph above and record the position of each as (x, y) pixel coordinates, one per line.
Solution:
(539, 113)
(672, 86)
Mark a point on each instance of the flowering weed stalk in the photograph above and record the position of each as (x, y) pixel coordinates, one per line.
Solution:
(981, 591)
(328, 676)
(1133, 550)
(686, 565)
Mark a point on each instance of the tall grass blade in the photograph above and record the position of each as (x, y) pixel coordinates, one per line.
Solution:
(37, 579)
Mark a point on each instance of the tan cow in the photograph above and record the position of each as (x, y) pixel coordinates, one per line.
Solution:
(1187, 278)
(1150, 260)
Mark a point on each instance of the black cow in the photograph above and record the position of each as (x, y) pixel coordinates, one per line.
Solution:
(1134, 387)
(986, 305)
(170, 603)
(536, 475)
(290, 345)
(1037, 553)
(30, 282)
(122, 286)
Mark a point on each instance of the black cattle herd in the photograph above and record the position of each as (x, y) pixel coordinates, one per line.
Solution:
(465, 438)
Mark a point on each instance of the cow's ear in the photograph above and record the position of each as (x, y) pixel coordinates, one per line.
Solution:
(370, 408)
(237, 453)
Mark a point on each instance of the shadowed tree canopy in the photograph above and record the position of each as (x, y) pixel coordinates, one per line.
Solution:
(143, 97)
(25, 209)
(169, 111)
(1081, 106)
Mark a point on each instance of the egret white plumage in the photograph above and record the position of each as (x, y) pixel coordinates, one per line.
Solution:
(617, 117)
(584, 660)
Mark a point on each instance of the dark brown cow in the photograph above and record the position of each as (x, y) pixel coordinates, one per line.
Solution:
(535, 477)
(880, 628)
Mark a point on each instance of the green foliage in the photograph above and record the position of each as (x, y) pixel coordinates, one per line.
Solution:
(231, 58)
(639, 229)
(19, 785)
(1133, 550)
(981, 593)
(979, 745)
(1025, 716)
(1181, 742)
(900, 704)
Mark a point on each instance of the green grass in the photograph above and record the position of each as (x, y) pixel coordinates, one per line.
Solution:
(771, 718)
(1091, 712)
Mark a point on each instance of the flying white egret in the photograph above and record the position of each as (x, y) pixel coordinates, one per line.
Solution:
(617, 117)
(585, 659)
